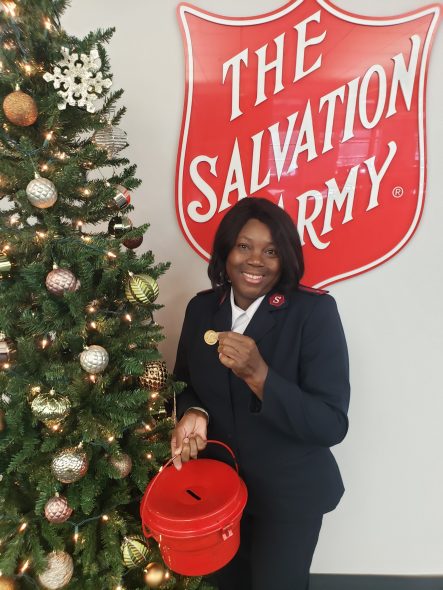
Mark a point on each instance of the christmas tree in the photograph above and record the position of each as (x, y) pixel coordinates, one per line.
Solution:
(83, 426)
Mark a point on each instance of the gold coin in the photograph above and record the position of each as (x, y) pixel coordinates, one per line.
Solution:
(211, 337)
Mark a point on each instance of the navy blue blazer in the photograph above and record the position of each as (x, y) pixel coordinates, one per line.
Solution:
(282, 442)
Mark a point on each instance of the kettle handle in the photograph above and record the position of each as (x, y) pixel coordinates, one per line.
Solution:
(209, 441)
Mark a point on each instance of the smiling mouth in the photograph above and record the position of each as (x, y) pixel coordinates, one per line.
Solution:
(251, 278)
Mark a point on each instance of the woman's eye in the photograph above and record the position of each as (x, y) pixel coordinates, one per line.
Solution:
(272, 252)
(242, 246)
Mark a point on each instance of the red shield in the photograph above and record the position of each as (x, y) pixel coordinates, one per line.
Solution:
(320, 111)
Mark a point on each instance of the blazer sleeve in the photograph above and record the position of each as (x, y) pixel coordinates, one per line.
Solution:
(187, 398)
(315, 407)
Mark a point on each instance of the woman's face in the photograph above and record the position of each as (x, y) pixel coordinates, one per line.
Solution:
(253, 264)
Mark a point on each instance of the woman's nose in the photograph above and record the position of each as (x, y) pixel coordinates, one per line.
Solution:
(255, 258)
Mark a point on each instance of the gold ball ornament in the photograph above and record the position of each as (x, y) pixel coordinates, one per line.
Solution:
(70, 465)
(57, 510)
(60, 281)
(20, 109)
(122, 464)
(41, 193)
(58, 572)
(7, 583)
(135, 551)
(141, 289)
(50, 407)
(155, 376)
(94, 359)
(154, 574)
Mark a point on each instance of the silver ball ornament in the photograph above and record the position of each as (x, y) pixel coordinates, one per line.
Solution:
(41, 193)
(58, 572)
(70, 465)
(94, 359)
(61, 280)
(110, 138)
(57, 510)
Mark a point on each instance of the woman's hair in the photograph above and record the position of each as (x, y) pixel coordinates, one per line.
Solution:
(284, 235)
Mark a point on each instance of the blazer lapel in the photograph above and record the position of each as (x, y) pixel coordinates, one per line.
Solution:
(223, 316)
(264, 318)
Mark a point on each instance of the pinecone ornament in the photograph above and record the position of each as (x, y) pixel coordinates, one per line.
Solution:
(57, 510)
(60, 281)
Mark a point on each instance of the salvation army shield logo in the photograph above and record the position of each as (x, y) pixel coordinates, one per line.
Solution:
(316, 109)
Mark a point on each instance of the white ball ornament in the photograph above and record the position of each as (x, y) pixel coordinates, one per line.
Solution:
(41, 193)
(94, 359)
(58, 572)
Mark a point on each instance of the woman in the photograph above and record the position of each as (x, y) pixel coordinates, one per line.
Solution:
(275, 389)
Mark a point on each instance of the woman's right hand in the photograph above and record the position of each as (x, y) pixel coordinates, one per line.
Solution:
(189, 437)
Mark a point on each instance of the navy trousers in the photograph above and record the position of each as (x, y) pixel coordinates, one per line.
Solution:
(272, 555)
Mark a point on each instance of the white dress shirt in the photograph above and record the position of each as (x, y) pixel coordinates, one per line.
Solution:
(239, 322)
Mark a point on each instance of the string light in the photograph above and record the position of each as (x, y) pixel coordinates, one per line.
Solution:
(111, 255)
(105, 517)
(24, 566)
(92, 378)
(93, 325)
(27, 68)
(167, 575)
(111, 439)
(10, 8)
(128, 317)
(49, 135)
(47, 24)
(44, 343)
(6, 247)
(154, 395)
(6, 365)
(149, 456)
(44, 167)
(22, 527)
(86, 192)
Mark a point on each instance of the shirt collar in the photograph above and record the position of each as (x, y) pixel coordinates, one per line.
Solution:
(237, 311)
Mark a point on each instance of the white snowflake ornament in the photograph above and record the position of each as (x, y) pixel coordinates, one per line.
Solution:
(79, 79)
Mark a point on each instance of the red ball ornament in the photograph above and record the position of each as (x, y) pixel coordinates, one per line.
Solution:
(132, 243)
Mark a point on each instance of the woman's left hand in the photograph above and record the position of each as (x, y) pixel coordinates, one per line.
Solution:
(240, 354)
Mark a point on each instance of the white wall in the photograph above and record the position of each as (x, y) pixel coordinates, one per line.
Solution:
(391, 518)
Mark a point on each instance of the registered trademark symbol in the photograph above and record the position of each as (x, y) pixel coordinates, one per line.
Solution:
(398, 192)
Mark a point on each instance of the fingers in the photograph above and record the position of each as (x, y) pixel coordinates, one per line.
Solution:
(188, 448)
(176, 453)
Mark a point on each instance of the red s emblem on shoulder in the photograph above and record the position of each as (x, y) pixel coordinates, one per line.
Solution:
(277, 300)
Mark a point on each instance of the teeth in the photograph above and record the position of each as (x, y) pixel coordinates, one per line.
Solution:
(252, 277)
